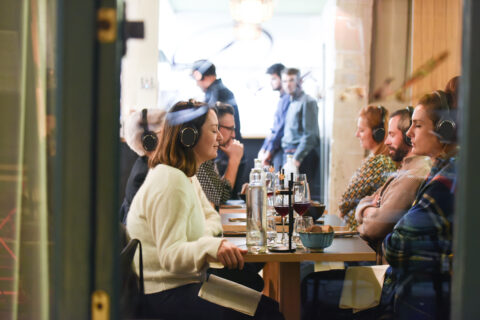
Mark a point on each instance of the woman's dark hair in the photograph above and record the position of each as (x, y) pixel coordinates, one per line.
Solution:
(170, 150)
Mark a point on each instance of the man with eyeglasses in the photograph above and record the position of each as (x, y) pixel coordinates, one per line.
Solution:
(218, 189)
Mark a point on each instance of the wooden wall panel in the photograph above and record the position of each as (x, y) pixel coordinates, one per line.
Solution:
(437, 26)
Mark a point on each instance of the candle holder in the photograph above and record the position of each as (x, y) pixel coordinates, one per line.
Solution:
(291, 247)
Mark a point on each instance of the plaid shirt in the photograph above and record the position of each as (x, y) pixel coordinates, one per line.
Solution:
(217, 189)
(371, 175)
(421, 243)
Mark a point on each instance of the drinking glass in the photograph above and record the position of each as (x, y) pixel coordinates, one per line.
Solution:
(271, 230)
(270, 185)
(302, 224)
(280, 202)
(301, 194)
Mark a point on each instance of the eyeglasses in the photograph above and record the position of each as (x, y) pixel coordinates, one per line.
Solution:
(232, 129)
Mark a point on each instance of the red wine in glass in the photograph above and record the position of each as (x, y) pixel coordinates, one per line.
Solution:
(269, 193)
(281, 210)
(301, 207)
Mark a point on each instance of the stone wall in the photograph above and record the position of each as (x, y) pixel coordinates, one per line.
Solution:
(353, 37)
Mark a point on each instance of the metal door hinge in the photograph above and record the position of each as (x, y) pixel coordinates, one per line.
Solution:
(106, 25)
(100, 305)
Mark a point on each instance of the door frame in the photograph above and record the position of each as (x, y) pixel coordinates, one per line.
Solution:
(466, 279)
(85, 190)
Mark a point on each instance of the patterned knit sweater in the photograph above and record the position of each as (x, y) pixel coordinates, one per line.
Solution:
(371, 175)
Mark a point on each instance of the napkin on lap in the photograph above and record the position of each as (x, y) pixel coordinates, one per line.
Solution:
(231, 295)
(362, 287)
(328, 265)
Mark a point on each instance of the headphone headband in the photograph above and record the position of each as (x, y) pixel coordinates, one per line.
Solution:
(407, 139)
(144, 122)
(149, 138)
(378, 133)
(410, 110)
(445, 128)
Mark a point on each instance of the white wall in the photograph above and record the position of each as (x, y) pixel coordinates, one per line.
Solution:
(353, 36)
(139, 66)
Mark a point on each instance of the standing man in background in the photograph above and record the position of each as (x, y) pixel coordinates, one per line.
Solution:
(301, 136)
(204, 73)
(271, 152)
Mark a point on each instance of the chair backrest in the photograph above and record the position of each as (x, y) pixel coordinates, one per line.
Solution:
(132, 289)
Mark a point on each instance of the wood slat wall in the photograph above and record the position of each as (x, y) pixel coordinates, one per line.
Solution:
(437, 26)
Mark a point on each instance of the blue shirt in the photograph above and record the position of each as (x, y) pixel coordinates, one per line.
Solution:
(274, 142)
(301, 130)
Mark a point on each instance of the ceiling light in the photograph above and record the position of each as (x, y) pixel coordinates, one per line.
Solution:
(251, 11)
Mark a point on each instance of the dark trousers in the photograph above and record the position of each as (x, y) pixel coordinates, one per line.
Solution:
(248, 276)
(421, 299)
(320, 296)
(183, 303)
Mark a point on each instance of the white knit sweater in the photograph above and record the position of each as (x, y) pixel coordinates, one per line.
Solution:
(173, 219)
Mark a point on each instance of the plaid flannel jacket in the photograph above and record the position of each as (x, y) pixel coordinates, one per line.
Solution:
(421, 242)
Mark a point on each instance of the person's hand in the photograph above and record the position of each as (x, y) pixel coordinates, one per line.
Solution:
(297, 163)
(368, 213)
(267, 157)
(230, 255)
(234, 150)
(261, 154)
(376, 199)
(244, 188)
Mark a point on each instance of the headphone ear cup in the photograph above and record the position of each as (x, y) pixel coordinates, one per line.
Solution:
(149, 141)
(378, 134)
(407, 140)
(189, 136)
(197, 75)
(445, 129)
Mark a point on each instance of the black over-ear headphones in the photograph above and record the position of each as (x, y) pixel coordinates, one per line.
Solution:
(189, 132)
(149, 138)
(407, 139)
(445, 128)
(378, 133)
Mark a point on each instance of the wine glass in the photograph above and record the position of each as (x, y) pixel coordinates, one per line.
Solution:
(270, 185)
(280, 201)
(301, 194)
(301, 203)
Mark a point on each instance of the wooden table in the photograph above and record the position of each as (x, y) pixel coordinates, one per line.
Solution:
(281, 273)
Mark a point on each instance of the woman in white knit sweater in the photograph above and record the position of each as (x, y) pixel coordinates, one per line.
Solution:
(176, 224)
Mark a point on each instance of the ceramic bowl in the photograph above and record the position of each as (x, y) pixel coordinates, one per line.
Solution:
(317, 241)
